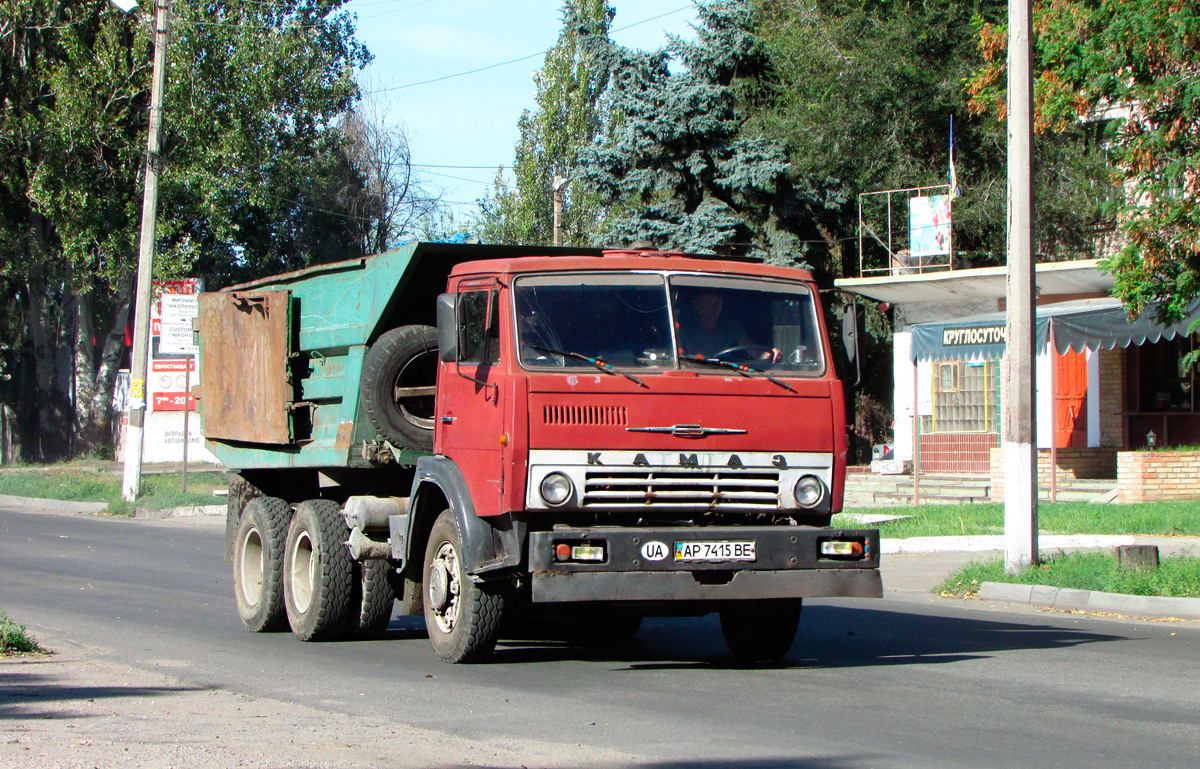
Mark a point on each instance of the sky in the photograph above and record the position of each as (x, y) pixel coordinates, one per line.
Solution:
(460, 129)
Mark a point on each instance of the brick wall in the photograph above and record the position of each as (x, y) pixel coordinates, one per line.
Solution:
(1112, 396)
(957, 452)
(1144, 476)
(1082, 464)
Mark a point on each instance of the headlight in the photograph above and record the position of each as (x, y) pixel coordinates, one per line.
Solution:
(556, 489)
(809, 491)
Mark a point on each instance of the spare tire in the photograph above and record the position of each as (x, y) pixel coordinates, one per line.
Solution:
(397, 389)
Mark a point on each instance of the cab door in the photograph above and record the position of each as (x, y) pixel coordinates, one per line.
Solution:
(470, 411)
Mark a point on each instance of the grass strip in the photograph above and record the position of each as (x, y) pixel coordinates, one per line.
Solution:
(15, 639)
(1173, 518)
(1176, 576)
(158, 491)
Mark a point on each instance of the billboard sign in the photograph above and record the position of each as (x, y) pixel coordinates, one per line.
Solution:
(929, 225)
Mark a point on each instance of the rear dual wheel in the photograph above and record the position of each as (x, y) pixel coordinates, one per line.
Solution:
(258, 556)
(318, 571)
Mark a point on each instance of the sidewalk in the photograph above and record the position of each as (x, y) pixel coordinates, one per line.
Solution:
(912, 568)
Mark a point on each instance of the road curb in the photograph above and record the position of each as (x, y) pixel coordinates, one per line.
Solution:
(1068, 599)
(37, 504)
(983, 543)
(190, 511)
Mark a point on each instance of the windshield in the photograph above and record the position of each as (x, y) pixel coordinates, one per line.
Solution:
(655, 321)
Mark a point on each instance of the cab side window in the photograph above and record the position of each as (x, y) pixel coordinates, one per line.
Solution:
(479, 327)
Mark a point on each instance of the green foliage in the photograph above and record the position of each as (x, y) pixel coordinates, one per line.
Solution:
(1133, 61)
(569, 116)
(1176, 577)
(863, 96)
(158, 491)
(253, 175)
(677, 168)
(1146, 518)
(14, 639)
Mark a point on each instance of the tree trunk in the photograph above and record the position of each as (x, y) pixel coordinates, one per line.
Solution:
(96, 378)
(53, 419)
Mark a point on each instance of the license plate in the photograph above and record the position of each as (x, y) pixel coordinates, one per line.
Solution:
(714, 551)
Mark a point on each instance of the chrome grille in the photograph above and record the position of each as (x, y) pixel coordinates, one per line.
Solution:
(698, 490)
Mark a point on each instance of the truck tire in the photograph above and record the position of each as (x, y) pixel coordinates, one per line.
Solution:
(258, 563)
(403, 357)
(240, 494)
(760, 630)
(462, 617)
(317, 571)
(372, 594)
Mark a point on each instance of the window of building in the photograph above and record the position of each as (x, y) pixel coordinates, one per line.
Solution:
(966, 398)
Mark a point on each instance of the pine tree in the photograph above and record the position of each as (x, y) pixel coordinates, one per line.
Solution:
(678, 168)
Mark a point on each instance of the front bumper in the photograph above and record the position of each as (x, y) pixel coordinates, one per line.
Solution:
(788, 564)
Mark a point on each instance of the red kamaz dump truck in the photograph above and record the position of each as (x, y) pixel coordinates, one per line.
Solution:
(498, 433)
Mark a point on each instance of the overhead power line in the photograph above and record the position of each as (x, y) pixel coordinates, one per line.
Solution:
(514, 61)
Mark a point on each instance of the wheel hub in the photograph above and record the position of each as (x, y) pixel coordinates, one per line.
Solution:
(444, 587)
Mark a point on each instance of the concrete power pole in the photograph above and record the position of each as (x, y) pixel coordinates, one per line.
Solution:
(141, 318)
(1020, 437)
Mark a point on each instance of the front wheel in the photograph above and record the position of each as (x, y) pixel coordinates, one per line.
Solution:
(760, 630)
(462, 617)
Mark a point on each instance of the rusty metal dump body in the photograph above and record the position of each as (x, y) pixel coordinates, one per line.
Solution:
(281, 357)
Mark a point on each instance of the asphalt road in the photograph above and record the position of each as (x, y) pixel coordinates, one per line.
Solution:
(908, 682)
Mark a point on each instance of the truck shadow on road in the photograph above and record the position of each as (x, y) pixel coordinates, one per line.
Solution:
(30, 695)
(829, 637)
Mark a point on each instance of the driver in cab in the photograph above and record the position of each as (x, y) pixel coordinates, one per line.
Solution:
(707, 333)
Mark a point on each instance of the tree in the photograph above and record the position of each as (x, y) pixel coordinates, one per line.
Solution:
(254, 90)
(863, 96)
(1136, 61)
(568, 118)
(379, 191)
(678, 167)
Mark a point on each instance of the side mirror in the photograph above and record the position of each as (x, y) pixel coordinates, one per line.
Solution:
(853, 332)
(447, 327)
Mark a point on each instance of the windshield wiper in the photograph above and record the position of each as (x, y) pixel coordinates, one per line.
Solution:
(741, 368)
(605, 367)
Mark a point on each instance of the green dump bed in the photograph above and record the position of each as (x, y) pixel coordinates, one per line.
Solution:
(281, 358)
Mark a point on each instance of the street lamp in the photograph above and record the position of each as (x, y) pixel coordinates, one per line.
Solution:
(141, 317)
(1151, 440)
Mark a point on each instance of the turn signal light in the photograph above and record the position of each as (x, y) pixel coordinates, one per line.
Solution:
(842, 549)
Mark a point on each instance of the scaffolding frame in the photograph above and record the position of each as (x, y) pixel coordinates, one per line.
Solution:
(896, 263)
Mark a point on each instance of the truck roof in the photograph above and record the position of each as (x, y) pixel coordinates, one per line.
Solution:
(627, 260)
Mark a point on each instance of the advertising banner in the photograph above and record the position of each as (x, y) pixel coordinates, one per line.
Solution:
(929, 225)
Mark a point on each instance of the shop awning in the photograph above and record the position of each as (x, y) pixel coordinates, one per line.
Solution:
(1094, 323)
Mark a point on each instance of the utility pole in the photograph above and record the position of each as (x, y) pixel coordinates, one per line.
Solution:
(559, 183)
(141, 317)
(1020, 437)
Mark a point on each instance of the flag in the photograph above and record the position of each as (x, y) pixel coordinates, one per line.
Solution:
(953, 173)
